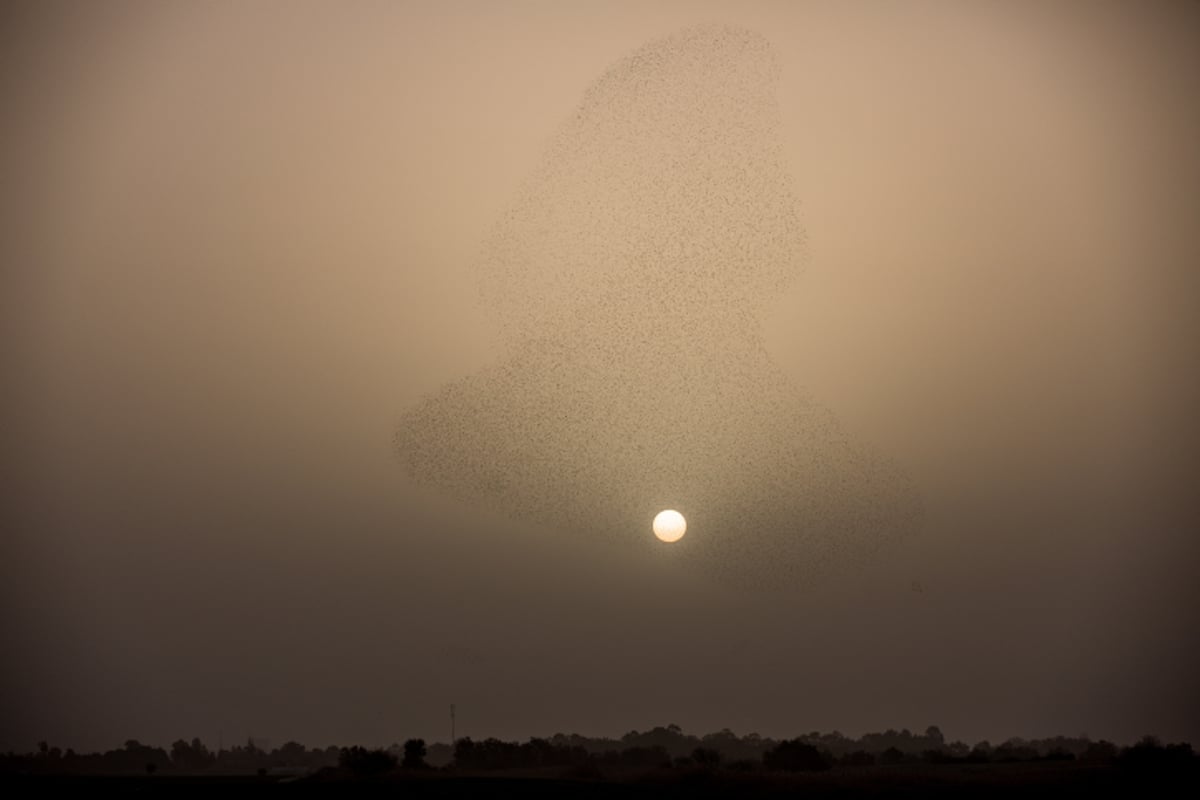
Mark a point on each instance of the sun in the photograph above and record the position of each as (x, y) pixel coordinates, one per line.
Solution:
(669, 525)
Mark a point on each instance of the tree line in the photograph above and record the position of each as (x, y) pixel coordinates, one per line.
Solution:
(663, 747)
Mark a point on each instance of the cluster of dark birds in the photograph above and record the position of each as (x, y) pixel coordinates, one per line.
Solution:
(627, 282)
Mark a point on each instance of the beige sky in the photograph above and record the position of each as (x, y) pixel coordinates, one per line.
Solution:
(238, 245)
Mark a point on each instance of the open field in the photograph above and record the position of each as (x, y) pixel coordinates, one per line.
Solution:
(905, 780)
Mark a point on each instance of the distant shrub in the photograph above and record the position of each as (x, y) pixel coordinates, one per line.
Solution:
(584, 771)
(859, 758)
(1150, 753)
(1014, 751)
(645, 757)
(414, 754)
(795, 755)
(1101, 751)
(364, 762)
(1059, 754)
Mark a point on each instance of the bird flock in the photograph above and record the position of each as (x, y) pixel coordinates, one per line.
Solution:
(627, 282)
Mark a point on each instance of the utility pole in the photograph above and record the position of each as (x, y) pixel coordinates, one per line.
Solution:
(452, 726)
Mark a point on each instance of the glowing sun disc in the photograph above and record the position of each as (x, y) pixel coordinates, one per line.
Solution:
(670, 526)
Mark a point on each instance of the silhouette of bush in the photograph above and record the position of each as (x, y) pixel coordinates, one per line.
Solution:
(794, 755)
(706, 757)
(859, 758)
(647, 757)
(496, 754)
(891, 756)
(414, 754)
(1014, 750)
(1150, 754)
(364, 762)
(191, 757)
(585, 771)
(137, 756)
(980, 754)
(640, 757)
(1102, 751)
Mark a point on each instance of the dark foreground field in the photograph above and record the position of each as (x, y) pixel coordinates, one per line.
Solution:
(902, 780)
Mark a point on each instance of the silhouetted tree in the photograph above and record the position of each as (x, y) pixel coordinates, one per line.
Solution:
(291, 754)
(587, 755)
(191, 756)
(414, 754)
(958, 749)
(641, 757)
(1101, 751)
(137, 757)
(733, 747)
(981, 753)
(1015, 750)
(1150, 753)
(364, 762)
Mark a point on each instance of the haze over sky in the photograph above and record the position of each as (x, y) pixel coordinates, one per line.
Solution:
(238, 244)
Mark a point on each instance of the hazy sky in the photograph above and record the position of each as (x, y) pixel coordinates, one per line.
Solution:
(240, 241)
